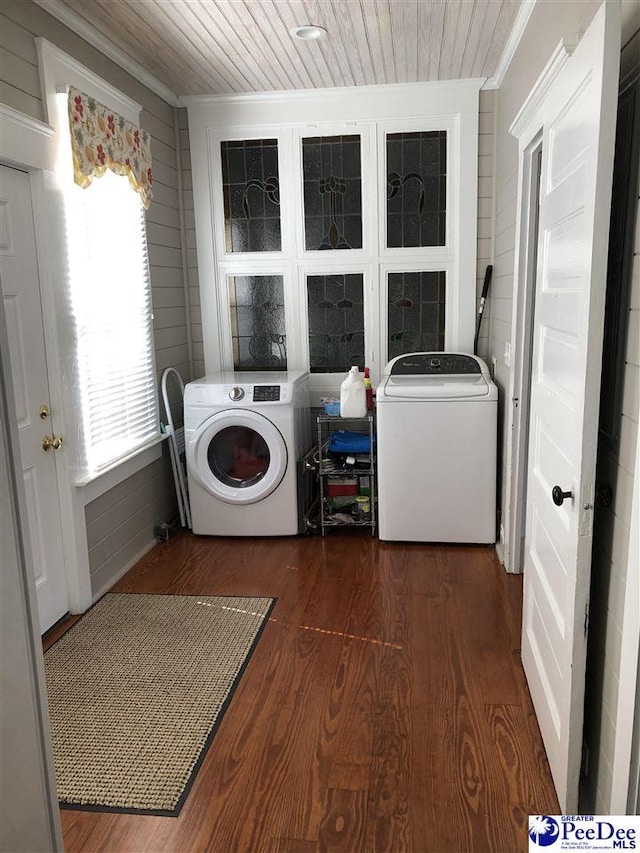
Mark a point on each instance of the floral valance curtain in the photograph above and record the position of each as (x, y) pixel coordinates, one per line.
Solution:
(102, 139)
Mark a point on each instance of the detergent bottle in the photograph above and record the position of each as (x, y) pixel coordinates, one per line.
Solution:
(353, 398)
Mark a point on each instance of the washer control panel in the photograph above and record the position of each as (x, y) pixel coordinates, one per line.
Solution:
(266, 393)
(430, 363)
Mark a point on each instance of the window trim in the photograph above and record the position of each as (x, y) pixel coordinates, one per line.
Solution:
(326, 384)
(368, 190)
(410, 266)
(254, 267)
(236, 134)
(447, 252)
(59, 71)
(225, 308)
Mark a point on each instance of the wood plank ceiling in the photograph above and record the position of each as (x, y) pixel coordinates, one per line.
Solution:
(204, 47)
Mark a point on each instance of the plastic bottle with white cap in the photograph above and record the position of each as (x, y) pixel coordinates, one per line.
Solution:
(353, 397)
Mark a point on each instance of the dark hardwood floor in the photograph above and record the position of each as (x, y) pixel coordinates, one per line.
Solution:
(384, 708)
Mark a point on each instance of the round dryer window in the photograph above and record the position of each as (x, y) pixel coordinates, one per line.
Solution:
(240, 457)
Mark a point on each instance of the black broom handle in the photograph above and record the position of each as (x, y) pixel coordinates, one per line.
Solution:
(483, 299)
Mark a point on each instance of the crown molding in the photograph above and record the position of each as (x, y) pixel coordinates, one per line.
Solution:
(517, 31)
(305, 95)
(96, 39)
(540, 88)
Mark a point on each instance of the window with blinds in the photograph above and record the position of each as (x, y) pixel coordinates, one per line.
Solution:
(110, 296)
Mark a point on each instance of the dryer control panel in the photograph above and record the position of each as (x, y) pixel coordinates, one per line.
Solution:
(266, 393)
(430, 363)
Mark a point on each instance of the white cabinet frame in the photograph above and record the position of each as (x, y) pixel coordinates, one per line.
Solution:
(371, 112)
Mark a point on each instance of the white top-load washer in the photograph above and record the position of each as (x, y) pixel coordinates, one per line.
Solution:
(245, 435)
(436, 435)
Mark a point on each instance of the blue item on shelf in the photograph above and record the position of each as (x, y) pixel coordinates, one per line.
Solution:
(346, 441)
(331, 406)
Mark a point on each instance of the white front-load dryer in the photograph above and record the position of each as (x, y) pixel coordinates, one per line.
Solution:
(245, 436)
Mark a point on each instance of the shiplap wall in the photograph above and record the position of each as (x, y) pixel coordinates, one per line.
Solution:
(120, 523)
(486, 177)
(543, 33)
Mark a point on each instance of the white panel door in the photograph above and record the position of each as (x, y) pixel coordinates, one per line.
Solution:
(578, 139)
(23, 313)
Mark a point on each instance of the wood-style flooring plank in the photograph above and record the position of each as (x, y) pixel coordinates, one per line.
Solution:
(384, 707)
(344, 822)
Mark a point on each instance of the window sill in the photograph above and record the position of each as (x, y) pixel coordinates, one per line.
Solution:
(95, 485)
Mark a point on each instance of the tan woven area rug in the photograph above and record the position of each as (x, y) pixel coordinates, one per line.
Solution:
(137, 688)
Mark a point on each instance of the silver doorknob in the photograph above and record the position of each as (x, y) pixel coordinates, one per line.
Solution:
(51, 441)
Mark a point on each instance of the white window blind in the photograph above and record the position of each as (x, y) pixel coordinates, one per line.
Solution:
(110, 295)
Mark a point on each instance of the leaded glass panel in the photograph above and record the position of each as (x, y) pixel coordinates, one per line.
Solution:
(415, 312)
(336, 322)
(332, 176)
(257, 322)
(416, 189)
(251, 195)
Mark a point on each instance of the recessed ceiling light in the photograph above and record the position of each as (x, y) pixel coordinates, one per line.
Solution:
(308, 33)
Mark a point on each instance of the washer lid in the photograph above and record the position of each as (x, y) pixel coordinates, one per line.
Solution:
(434, 387)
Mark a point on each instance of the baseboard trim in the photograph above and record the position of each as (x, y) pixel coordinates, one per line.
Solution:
(106, 586)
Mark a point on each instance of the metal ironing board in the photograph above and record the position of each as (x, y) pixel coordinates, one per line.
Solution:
(176, 449)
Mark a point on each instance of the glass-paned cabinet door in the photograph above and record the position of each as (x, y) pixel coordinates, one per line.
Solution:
(251, 195)
(336, 322)
(332, 177)
(416, 188)
(415, 312)
(258, 336)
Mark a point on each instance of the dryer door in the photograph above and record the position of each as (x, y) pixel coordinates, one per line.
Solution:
(239, 456)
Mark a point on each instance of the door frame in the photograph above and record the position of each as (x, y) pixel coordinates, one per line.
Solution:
(520, 378)
(527, 129)
(625, 785)
(28, 144)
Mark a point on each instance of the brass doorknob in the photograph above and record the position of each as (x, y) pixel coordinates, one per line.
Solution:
(51, 441)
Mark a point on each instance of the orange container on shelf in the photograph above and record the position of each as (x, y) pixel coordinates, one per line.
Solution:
(339, 486)
(368, 390)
